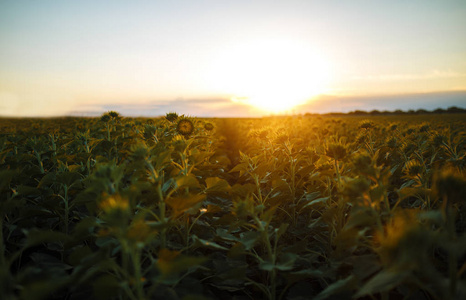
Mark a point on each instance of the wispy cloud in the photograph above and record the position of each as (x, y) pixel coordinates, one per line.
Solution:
(12, 105)
(217, 107)
(430, 101)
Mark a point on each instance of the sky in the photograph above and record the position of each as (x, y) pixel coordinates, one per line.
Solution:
(230, 58)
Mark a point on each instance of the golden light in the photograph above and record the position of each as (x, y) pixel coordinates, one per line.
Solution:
(273, 75)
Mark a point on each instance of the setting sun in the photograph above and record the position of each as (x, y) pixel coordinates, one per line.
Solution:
(273, 75)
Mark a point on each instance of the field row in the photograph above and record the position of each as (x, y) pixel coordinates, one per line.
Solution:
(271, 208)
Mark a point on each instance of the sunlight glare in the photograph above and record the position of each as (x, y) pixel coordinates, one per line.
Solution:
(272, 75)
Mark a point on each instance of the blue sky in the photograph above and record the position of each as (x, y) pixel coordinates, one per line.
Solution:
(63, 57)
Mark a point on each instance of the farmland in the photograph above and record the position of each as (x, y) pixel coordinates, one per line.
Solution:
(180, 207)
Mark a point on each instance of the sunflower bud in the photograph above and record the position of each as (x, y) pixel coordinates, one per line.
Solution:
(363, 164)
(336, 151)
(171, 116)
(356, 187)
(114, 115)
(451, 185)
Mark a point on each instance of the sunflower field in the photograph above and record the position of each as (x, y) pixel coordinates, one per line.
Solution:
(304, 207)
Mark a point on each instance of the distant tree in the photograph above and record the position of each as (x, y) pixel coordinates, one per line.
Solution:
(455, 110)
(375, 112)
(421, 111)
(439, 111)
(398, 112)
(411, 112)
(357, 112)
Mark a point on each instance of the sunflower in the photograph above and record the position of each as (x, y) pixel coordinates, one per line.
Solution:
(208, 126)
(114, 204)
(438, 140)
(412, 168)
(185, 127)
(105, 118)
(366, 124)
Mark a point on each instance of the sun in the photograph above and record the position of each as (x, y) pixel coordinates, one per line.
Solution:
(274, 75)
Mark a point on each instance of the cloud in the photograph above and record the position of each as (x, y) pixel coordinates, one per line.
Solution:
(14, 105)
(429, 101)
(202, 107)
(223, 107)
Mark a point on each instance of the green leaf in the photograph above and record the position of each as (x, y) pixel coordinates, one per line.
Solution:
(411, 192)
(407, 184)
(249, 239)
(285, 263)
(313, 199)
(268, 215)
(364, 266)
(361, 216)
(172, 262)
(106, 287)
(296, 247)
(207, 244)
(47, 180)
(106, 145)
(85, 227)
(25, 190)
(167, 184)
(225, 234)
(183, 203)
(69, 178)
(78, 254)
(237, 250)
(305, 274)
(50, 263)
(339, 287)
(189, 181)
(41, 288)
(241, 168)
(6, 176)
(262, 170)
(195, 297)
(377, 192)
(432, 216)
(162, 159)
(281, 230)
(242, 190)
(384, 281)
(37, 237)
(215, 184)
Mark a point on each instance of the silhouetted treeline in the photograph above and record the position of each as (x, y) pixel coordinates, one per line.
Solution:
(450, 110)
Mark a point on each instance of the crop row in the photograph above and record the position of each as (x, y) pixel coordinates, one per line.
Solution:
(273, 208)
